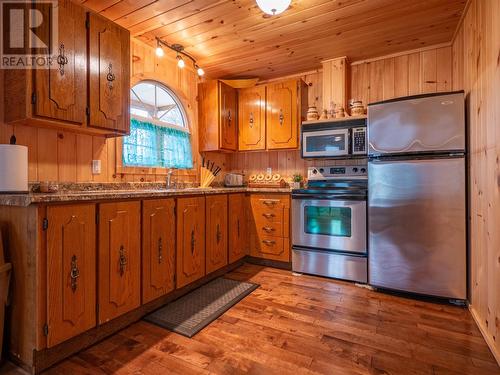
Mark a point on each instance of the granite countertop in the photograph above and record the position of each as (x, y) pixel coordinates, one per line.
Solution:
(93, 192)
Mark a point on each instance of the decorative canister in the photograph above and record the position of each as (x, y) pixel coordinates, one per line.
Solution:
(357, 108)
(312, 114)
(324, 115)
(339, 112)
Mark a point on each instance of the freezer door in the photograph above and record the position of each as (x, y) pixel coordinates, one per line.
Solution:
(425, 124)
(416, 226)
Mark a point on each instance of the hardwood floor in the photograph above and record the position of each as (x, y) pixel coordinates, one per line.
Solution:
(302, 325)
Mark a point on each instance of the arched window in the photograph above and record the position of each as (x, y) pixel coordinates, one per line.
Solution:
(159, 132)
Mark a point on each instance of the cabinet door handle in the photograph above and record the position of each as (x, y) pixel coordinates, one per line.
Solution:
(238, 226)
(270, 202)
(251, 119)
(268, 242)
(282, 117)
(160, 251)
(110, 77)
(193, 242)
(218, 234)
(61, 59)
(229, 117)
(268, 229)
(268, 215)
(123, 260)
(74, 274)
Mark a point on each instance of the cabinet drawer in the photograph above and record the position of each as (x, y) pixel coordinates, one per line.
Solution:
(270, 202)
(265, 227)
(268, 247)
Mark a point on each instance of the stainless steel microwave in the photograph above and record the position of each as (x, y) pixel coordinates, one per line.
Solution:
(330, 140)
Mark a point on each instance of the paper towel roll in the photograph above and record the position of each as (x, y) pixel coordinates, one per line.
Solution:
(13, 169)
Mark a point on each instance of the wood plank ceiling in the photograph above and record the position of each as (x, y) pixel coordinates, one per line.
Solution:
(233, 38)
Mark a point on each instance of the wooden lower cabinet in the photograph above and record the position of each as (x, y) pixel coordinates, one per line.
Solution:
(270, 226)
(71, 271)
(190, 240)
(237, 227)
(216, 232)
(119, 266)
(158, 248)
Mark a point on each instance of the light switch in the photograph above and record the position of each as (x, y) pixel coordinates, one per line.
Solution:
(96, 167)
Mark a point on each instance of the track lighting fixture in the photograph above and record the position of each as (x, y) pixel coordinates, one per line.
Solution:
(181, 55)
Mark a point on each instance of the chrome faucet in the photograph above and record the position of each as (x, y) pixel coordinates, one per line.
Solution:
(169, 178)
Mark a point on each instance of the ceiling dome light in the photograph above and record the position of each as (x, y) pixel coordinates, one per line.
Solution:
(180, 62)
(273, 7)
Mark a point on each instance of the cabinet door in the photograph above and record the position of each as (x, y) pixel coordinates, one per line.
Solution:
(109, 75)
(252, 118)
(190, 240)
(71, 271)
(158, 248)
(119, 259)
(216, 232)
(282, 115)
(238, 237)
(60, 91)
(228, 117)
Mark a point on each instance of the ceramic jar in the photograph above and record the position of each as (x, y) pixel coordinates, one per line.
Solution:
(312, 113)
(357, 108)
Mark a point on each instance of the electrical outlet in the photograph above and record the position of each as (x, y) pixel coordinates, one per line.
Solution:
(96, 167)
(269, 171)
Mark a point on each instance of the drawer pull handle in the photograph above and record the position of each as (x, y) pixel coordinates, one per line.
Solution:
(75, 273)
(160, 251)
(123, 260)
(193, 242)
(268, 215)
(270, 202)
(268, 242)
(268, 229)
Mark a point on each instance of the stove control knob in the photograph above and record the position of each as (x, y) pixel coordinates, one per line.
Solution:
(355, 170)
(314, 171)
(363, 170)
(321, 170)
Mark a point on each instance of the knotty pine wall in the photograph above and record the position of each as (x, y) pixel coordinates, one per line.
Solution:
(64, 156)
(476, 69)
(418, 72)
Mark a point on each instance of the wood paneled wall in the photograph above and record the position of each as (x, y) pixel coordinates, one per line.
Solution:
(476, 69)
(64, 156)
(417, 72)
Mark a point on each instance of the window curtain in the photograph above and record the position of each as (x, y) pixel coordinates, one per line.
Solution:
(150, 145)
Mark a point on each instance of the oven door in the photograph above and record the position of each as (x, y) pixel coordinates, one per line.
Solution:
(325, 143)
(329, 224)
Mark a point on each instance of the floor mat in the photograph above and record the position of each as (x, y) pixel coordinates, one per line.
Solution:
(194, 311)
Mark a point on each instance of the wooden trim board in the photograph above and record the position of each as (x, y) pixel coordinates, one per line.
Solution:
(484, 331)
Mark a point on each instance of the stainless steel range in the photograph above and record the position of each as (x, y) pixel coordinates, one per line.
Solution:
(329, 223)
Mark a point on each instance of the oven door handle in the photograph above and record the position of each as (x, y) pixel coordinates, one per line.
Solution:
(336, 197)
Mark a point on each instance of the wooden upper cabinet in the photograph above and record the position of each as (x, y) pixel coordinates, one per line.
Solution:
(252, 118)
(190, 240)
(109, 75)
(216, 232)
(158, 248)
(69, 96)
(285, 109)
(71, 271)
(218, 116)
(119, 276)
(58, 91)
(237, 227)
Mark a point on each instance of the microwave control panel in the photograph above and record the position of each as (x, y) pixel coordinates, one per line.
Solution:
(359, 141)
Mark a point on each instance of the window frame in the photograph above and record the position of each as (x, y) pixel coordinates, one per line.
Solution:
(149, 174)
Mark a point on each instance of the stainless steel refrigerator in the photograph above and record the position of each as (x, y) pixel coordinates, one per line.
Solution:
(417, 195)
